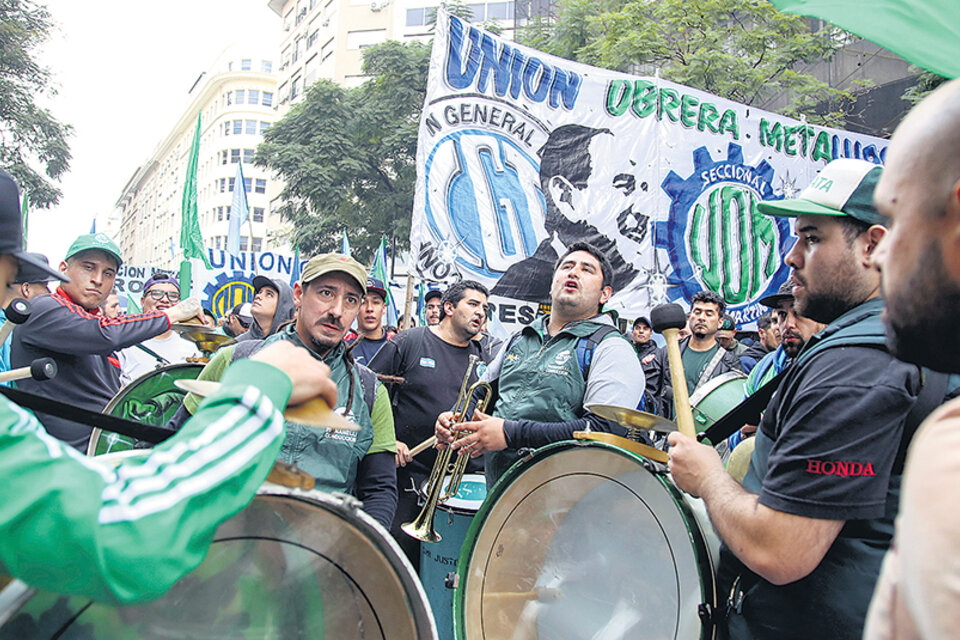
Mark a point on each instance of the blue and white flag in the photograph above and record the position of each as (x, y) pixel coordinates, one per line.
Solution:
(345, 244)
(380, 272)
(239, 210)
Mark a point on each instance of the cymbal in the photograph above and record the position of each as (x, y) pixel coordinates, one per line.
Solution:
(312, 413)
(207, 340)
(632, 417)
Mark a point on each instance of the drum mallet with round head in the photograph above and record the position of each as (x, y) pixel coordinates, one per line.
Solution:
(39, 369)
(668, 319)
(17, 312)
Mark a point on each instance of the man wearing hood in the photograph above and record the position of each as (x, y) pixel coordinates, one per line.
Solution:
(328, 299)
(272, 306)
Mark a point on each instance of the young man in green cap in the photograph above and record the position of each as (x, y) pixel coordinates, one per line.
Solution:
(328, 299)
(69, 327)
(127, 534)
(804, 537)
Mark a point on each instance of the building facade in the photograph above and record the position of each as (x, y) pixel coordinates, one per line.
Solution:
(326, 38)
(236, 102)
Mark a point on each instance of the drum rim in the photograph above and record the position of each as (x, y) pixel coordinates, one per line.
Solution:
(118, 397)
(17, 593)
(708, 582)
(713, 384)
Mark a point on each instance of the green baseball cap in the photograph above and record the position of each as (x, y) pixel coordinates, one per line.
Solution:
(99, 241)
(328, 263)
(842, 188)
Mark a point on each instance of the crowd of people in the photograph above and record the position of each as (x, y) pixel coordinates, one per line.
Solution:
(840, 483)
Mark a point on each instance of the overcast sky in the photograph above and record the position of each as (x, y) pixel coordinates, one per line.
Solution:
(123, 70)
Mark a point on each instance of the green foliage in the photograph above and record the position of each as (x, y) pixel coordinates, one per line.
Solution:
(744, 50)
(927, 83)
(347, 156)
(29, 134)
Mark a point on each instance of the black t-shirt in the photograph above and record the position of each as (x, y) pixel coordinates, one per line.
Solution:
(825, 449)
(433, 371)
(364, 349)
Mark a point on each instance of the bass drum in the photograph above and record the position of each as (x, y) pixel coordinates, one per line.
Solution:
(293, 564)
(584, 541)
(150, 399)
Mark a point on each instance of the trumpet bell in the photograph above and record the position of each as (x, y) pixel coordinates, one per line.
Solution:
(423, 532)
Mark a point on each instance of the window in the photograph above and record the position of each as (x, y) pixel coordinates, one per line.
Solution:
(219, 214)
(264, 127)
(232, 180)
(223, 184)
(223, 157)
(229, 97)
(258, 214)
(243, 243)
(257, 244)
(296, 49)
(500, 11)
(479, 12)
(364, 39)
(312, 40)
(267, 99)
(253, 96)
(237, 127)
(415, 17)
(266, 66)
(251, 127)
(246, 64)
(247, 183)
(239, 96)
(261, 186)
(234, 158)
(248, 157)
(218, 242)
(296, 87)
(226, 128)
(327, 50)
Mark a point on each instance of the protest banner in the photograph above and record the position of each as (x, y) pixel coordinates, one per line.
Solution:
(521, 154)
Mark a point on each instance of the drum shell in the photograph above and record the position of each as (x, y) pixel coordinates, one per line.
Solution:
(716, 397)
(301, 564)
(508, 554)
(150, 399)
(437, 559)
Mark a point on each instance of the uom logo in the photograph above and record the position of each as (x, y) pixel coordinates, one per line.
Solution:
(227, 291)
(717, 239)
(483, 200)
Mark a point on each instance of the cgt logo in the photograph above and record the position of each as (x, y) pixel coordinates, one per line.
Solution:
(483, 201)
(227, 292)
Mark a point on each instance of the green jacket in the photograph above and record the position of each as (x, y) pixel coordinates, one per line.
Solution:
(70, 525)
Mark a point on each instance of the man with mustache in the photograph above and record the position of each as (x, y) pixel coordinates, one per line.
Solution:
(804, 536)
(918, 595)
(591, 190)
(540, 381)
(328, 299)
(69, 327)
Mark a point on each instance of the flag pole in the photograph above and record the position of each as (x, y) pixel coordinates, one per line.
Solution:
(409, 303)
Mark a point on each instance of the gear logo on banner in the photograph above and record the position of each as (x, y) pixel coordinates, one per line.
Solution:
(715, 237)
(483, 205)
(226, 292)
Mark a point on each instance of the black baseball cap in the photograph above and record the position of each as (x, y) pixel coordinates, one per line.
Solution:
(11, 230)
(29, 273)
(259, 282)
(784, 293)
(433, 293)
(377, 287)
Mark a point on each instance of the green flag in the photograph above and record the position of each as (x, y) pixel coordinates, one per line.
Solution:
(191, 240)
(924, 32)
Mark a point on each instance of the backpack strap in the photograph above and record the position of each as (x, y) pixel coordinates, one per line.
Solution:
(368, 381)
(587, 345)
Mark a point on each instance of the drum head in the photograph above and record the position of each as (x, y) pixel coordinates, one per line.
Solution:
(582, 542)
(151, 399)
(290, 565)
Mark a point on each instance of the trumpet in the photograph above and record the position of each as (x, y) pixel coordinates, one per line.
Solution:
(422, 527)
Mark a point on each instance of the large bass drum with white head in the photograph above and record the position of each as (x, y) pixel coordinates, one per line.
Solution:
(293, 564)
(586, 540)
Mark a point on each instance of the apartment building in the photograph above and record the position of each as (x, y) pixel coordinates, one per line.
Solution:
(236, 99)
(326, 38)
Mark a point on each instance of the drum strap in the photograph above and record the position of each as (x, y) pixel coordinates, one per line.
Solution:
(129, 428)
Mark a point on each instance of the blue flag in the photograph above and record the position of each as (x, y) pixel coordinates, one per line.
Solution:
(380, 272)
(345, 245)
(295, 271)
(422, 303)
(238, 213)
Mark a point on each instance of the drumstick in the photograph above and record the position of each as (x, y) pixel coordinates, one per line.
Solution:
(39, 369)
(543, 594)
(383, 377)
(668, 319)
(312, 413)
(423, 446)
(17, 312)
